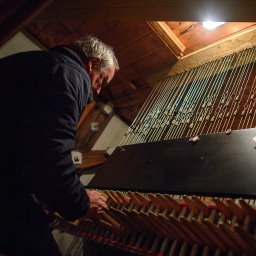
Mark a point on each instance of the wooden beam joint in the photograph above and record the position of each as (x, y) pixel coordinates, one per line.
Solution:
(168, 37)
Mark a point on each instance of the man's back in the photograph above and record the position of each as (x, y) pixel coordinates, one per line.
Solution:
(42, 95)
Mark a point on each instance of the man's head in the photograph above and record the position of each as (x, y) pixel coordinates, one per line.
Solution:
(99, 61)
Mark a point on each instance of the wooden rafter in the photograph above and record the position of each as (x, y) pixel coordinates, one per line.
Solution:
(85, 113)
(151, 10)
(15, 16)
(169, 38)
(133, 86)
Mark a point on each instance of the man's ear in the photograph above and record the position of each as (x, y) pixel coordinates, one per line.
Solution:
(92, 63)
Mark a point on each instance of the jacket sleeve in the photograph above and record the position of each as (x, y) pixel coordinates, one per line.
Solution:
(52, 113)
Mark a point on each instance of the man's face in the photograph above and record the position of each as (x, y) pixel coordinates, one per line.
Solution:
(99, 79)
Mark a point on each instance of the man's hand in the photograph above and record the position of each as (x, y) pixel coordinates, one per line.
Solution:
(97, 204)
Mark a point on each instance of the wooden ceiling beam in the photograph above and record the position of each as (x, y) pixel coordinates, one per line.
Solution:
(168, 37)
(151, 10)
(15, 17)
(133, 86)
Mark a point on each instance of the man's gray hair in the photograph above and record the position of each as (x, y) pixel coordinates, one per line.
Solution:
(91, 47)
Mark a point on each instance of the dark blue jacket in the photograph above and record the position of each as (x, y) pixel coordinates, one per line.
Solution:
(42, 96)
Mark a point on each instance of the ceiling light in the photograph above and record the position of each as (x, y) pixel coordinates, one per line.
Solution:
(212, 25)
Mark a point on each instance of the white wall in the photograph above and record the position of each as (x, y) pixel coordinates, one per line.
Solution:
(110, 138)
(18, 43)
(112, 135)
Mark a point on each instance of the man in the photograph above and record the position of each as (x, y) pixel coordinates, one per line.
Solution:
(43, 94)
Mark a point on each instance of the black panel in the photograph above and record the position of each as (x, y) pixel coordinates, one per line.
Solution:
(218, 164)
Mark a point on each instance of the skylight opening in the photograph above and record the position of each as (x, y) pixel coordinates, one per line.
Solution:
(212, 25)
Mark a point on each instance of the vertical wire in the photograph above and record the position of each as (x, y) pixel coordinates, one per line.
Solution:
(163, 103)
(220, 80)
(68, 252)
(203, 94)
(144, 108)
(171, 129)
(224, 71)
(237, 87)
(193, 94)
(184, 86)
(207, 98)
(234, 103)
(169, 99)
(219, 77)
(245, 85)
(227, 88)
(136, 131)
(155, 111)
(188, 98)
(227, 106)
(211, 97)
(243, 73)
(237, 102)
(251, 105)
(79, 250)
(186, 101)
(154, 122)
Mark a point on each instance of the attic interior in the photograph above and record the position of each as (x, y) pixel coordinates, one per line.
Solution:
(151, 39)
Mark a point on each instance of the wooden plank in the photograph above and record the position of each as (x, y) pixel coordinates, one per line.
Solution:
(92, 159)
(134, 98)
(86, 112)
(129, 72)
(168, 37)
(115, 90)
(118, 88)
(84, 132)
(68, 35)
(35, 28)
(213, 52)
(198, 37)
(129, 32)
(140, 82)
(153, 10)
(144, 47)
(125, 81)
(182, 27)
(73, 36)
(86, 137)
(53, 34)
(150, 64)
(96, 28)
(154, 62)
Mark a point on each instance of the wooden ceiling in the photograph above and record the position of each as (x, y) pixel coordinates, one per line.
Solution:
(146, 49)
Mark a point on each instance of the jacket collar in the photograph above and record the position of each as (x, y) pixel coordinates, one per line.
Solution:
(74, 56)
(68, 52)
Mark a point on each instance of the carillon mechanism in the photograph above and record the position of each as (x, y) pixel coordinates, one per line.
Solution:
(214, 97)
(163, 224)
(195, 136)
